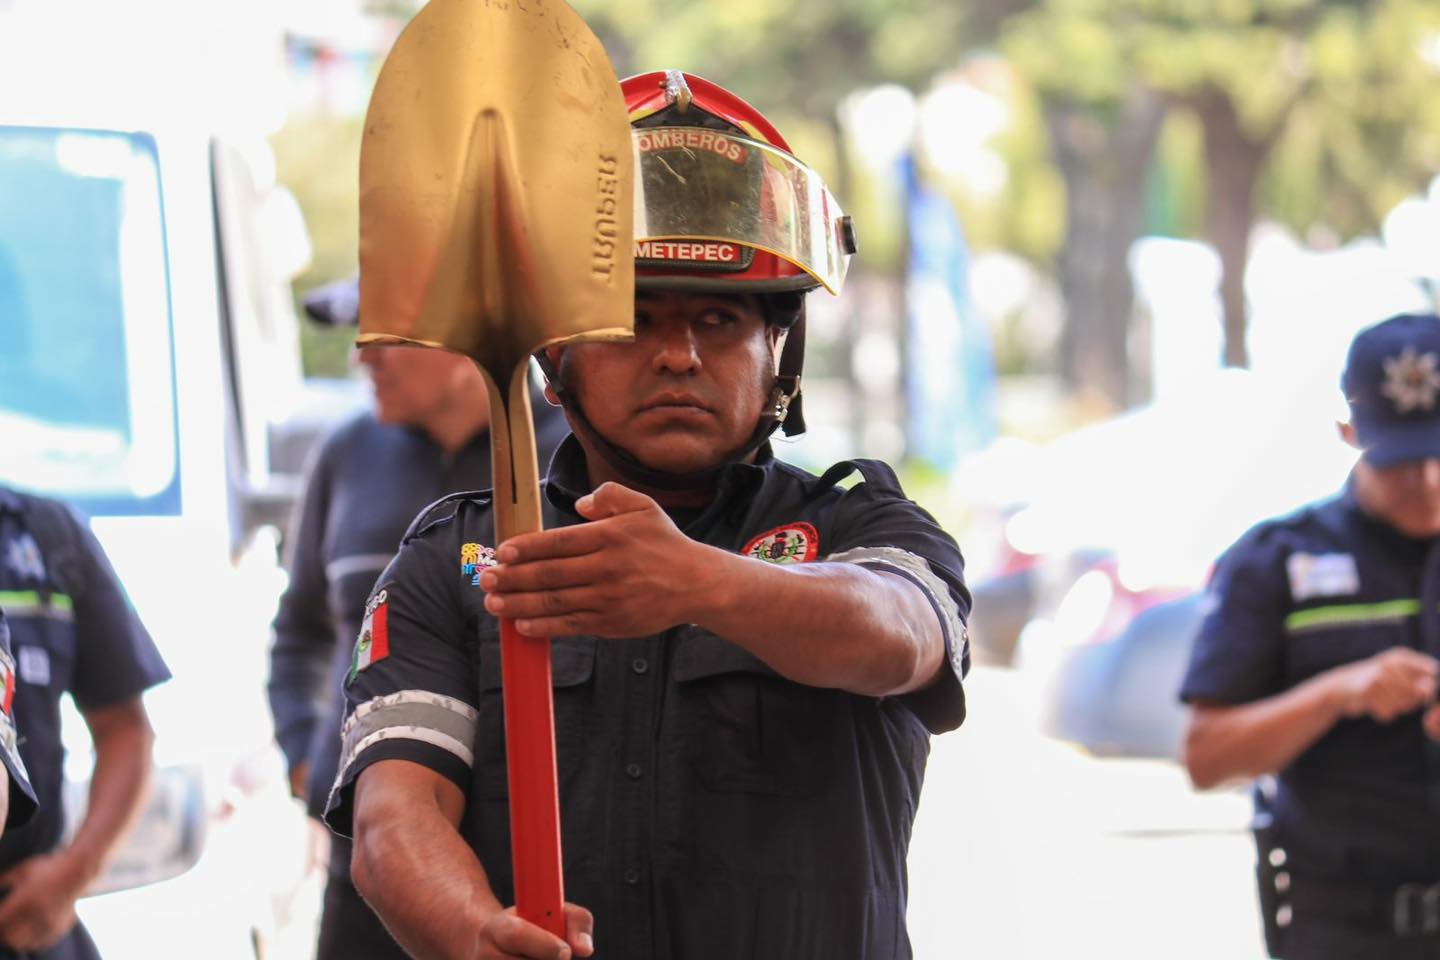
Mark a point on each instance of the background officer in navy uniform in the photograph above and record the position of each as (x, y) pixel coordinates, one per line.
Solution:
(1318, 663)
(748, 660)
(426, 436)
(17, 799)
(72, 631)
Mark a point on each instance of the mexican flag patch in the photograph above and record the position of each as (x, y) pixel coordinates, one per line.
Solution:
(9, 741)
(373, 644)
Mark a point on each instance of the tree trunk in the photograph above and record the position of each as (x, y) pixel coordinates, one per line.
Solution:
(1103, 154)
(1233, 158)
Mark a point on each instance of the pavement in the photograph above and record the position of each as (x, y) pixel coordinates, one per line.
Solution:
(1026, 847)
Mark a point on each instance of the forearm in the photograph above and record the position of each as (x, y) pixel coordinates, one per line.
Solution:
(836, 625)
(119, 785)
(1228, 743)
(422, 880)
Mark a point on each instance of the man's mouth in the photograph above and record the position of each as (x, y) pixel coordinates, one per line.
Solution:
(674, 401)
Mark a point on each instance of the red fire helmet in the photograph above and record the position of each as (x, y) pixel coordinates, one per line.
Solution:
(721, 203)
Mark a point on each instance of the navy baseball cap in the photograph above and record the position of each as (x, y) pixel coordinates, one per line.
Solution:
(1392, 383)
(335, 304)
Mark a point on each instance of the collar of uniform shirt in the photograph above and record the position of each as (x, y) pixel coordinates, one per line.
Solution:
(1407, 546)
(567, 479)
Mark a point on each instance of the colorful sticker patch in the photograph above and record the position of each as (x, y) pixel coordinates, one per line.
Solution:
(792, 543)
(473, 559)
(373, 644)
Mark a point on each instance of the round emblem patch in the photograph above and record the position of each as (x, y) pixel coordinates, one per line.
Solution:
(792, 543)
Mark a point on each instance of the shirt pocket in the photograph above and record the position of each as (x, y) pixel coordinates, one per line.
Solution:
(1313, 651)
(572, 671)
(744, 729)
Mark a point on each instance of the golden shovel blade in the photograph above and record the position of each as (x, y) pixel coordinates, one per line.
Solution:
(496, 186)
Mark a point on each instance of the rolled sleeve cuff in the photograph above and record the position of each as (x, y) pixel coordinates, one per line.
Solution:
(430, 729)
(941, 705)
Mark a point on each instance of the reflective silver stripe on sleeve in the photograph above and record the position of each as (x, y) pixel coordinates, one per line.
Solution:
(431, 718)
(372, 563)
(924, 577)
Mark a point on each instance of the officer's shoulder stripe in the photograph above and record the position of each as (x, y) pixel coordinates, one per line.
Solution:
(444, 509)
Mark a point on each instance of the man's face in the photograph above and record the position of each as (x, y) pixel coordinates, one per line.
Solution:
(1407, 495)
(414, 386)
(689, 389)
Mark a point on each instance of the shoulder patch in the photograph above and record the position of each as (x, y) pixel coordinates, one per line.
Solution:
(373, 644)
(793, 543)
(443, 509)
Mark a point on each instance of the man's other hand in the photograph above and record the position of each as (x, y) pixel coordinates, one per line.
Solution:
(505, 936)
(40, 907)
(1387, 685)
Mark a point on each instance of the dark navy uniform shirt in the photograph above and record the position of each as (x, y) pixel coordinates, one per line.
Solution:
(363, 489)
(22, 795)
(72, 630)
(709, 807)
(1327, 586)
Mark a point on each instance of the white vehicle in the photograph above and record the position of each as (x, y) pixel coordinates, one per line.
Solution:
(149, 354)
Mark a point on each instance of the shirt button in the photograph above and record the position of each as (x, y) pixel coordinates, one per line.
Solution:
(632, 875)
(640, 665)
(633, 771)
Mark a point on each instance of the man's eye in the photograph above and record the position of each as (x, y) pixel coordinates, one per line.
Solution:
(718, 318)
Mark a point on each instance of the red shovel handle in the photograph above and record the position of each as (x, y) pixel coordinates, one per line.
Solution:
(534, 799)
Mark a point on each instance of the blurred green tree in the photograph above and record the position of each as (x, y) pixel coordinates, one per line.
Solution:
(1319, 112)
(318, 158)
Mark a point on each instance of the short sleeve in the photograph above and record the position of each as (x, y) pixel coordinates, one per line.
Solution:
(1239, 650)
(22, 803)
(877, 527)
(410, 693)
(116, 659)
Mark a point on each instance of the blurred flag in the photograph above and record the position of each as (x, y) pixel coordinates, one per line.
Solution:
(949, 360)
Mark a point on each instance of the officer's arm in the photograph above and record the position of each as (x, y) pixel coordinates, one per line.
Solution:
(118, 786)
(835, 625)
(411, 864)
(1224, 743)
(630, 572)
(304, 638)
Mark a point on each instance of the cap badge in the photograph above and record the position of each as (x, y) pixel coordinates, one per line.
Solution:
(1412, 380)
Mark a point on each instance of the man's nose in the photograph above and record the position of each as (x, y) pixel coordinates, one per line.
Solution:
(1430, 472)
(676, 350)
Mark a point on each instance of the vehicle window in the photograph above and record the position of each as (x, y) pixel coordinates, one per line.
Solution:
(87, 396)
